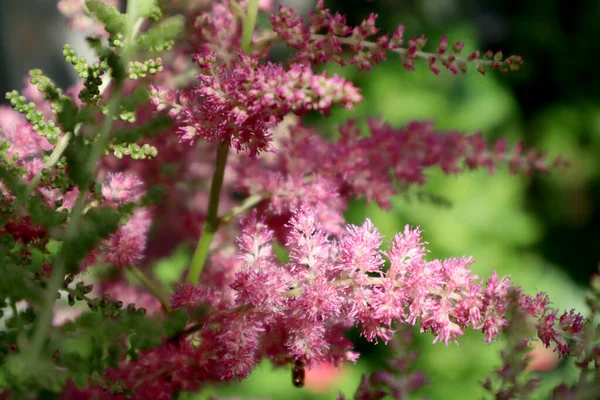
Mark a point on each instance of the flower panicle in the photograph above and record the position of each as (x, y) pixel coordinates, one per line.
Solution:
(240, 103)
(329, 285)
(327, 36)
(310, 171)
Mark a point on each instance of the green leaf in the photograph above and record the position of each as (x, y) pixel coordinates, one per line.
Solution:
(147, 8)
(113, 20)
(161, 36)
(117, 68)
(16, 282)
(10, 176)
(77, 154)
(41, 375)
(96, 225)
(95, 44)
(153, 196)
(28, 316)
(43, 215)
(79, 368)
(89, 320)
(176, 322)
(68, 117)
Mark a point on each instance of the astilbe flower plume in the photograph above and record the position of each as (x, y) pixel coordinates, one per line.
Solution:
(121, 188)
(218, 30)
(25, 143)
(126, 246)
(324, 175)
(327, 279)
(300, 309)
(327, 35)
(239, 103)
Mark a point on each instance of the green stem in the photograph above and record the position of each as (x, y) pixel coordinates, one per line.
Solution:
(77, 295)
(212, 220)
(50, 162)
(16, 316)
(152, 287)
(246, 205)
(268, 38)
(59, 268)
(58, 274)
(248, 28)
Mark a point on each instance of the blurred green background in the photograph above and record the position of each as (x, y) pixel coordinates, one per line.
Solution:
(543, 231)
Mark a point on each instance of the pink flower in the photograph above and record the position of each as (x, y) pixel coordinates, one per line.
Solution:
(24, 141)
(359, 251)
(241, 102)
(308, 171)
(122, 188)
(126, 246)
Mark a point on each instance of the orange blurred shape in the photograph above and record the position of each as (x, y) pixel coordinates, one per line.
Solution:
(322, 378)
(541, 358)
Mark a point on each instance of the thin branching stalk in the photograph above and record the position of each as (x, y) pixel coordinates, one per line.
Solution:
(211, 225)
(212, 220)
(246, 205)
(154, 288)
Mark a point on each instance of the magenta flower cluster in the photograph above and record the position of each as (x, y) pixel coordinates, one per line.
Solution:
(241, 102)
(329, 285)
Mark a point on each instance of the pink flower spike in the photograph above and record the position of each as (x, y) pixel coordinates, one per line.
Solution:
(122, 188)
(359, 249)
(126, 246)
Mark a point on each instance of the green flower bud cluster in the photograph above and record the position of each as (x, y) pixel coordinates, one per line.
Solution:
(79, 63)
(45, 128)
(134, 151)
(142, 69)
